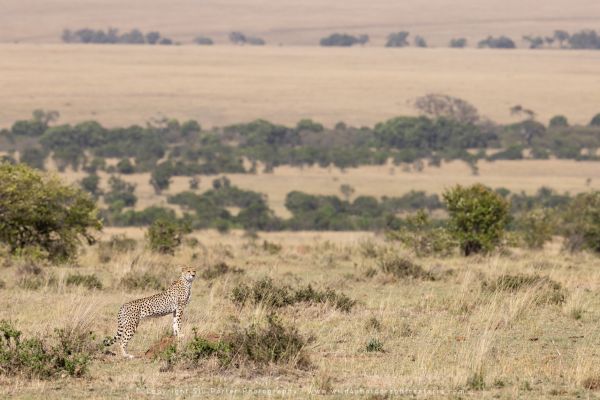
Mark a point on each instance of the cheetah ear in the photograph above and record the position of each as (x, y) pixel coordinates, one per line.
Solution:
(184, 269)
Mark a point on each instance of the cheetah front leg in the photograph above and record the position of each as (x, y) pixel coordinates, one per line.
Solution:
(177, 322)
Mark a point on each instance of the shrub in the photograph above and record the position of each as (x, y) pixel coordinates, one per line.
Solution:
(596, 120)
(420, 41)
(374, 345)
(88, 281)
(477, 217)
(582, 222)
(402, 267)
(121, 193)
(271, 248)
(274, 343)
(125, 166)
(422, 237)
(165, 235)
(70, 353)
(549, 291)
(265, 291)
(219, 269)
(200, 348)
(141, 281)
(537, 227)
(38, 210)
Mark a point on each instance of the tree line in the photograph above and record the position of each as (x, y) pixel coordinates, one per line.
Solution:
(584, 39)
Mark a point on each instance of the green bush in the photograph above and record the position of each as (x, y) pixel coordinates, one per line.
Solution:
(478, 216)
(165, 235)
(422, 237)
(536, 227)
(582, 222)
(88, 281)
(67, 351)
(38, 210)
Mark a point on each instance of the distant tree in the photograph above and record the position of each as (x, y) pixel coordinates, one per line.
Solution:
(121, 193)
(166, 235)
(34, 157)
(440, 105)
(519, 110)
(203, 41)
(559, 121)
(501, 42)
(160, 179)
(586, 39)
(124, 166)
(90, 185)
(165, 42)
(194, 183)
(420, 41)
(535, 42)
(152, 37)
(309, 125)
(347, 191)
(582, 222)
(398, 39)
(458, 43)
(596, 120)
(343, 40)
(561, 37)
(240, 38)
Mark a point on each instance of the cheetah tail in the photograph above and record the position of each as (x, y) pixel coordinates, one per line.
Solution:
(109, 341)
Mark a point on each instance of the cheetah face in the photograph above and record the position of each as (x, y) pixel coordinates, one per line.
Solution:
(188, 274)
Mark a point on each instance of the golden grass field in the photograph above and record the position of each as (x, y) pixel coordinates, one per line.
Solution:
(119, 85)
(436, 335)
(297, 22)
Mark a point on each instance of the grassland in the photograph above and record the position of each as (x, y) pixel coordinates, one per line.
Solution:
(300, 22)
(437, 335)
(119, 85)
(524, 175)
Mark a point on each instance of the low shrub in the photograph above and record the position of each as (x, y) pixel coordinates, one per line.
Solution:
(70, 352)
(420, 236)
(549, 291)
(274, 343)
(265, 291)
(402, 267)
(141, 281)
(219, 269)
(88, 281)
(374, 345)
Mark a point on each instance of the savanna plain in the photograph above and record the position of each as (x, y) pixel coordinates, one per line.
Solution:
(446, 327)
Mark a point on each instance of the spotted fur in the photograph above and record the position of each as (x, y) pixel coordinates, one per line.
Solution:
(171, 301)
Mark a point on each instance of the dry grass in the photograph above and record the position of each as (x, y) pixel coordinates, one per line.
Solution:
(119, 85)
(301, 22)
(448, 336)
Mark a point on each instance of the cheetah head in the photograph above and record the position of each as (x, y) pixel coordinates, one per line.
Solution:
(188, 274)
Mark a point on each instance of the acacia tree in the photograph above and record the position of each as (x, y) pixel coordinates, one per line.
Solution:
(38, 211)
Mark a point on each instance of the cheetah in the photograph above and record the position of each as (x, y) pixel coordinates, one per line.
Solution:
(171, 301)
